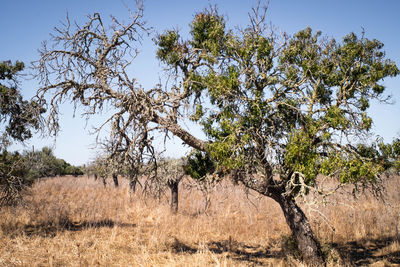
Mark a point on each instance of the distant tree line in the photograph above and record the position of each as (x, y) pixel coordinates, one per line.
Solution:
(31, 165)
(43, 163)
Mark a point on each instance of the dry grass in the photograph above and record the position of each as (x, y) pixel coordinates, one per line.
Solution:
(77, 222)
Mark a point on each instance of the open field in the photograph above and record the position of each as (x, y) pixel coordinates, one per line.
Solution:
(69, 221)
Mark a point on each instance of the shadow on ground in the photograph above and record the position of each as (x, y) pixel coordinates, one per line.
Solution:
(250, 254)
(50, 229)
(355, 253)
(368, 251)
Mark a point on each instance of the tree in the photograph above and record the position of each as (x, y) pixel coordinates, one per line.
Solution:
(277, 110)
(17, 118)
(203, 169)
(170, 173)
(119, 164)
(99, 168)
(107, 165)
(132, 171)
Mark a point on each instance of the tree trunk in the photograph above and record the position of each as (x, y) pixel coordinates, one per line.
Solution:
(132, 185)
(104, 181)
(301, 230)
(95, 177)
(174, 185)
(295, 218)
(115, 179)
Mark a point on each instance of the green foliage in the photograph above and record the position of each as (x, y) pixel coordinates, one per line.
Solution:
(351, 170)
(335, 118)
(8, 71)
(30, 166)
(11, 165)
(72, 170)
(386, 155)
(396, 154)
(208, 34)
(199, 164)
(284, 106)
(44, 164)
(18, 115)
(198, 113)
(301, 156)
(170, 51)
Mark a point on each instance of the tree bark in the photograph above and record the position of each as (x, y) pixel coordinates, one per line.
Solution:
(295, 217)
(301, 231)
(177, 130)
(115, 179)
(95, 177)
(132, 185)
(174, 185)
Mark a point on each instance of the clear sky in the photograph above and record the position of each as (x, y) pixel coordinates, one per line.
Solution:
(26, 23)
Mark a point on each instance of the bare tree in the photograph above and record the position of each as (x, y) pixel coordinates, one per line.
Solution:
(99, 168)
(170, 173)
(88, 65)
(116, 164)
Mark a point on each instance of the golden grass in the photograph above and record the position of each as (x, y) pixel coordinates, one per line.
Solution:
(69, 221)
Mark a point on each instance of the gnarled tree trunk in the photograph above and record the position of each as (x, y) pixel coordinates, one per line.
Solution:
(295, 217)
(174, 185)
(301, 231)
(115, 179)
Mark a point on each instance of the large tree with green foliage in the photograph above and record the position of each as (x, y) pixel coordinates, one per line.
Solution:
(276, 110)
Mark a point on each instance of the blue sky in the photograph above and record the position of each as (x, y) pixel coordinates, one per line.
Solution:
(26, 23)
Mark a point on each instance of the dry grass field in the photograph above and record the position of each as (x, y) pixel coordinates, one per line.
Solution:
(68, 221)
